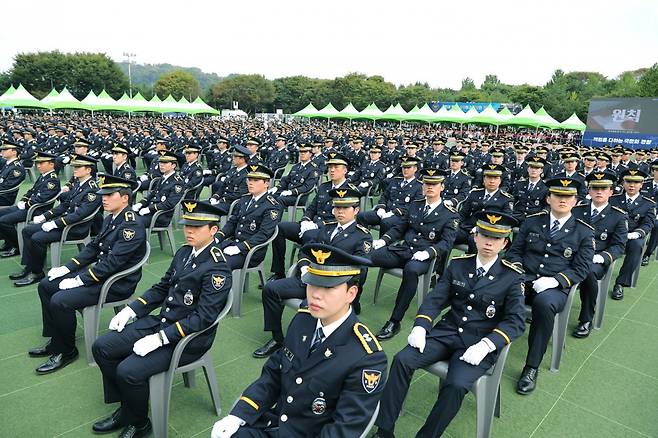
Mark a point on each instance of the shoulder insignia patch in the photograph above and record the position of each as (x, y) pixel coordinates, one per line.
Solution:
(274, 214)
(178, 188)
(217, 254)
(127, 175)
(367, 247)
(130, 216)
(512, 266)
(648, 199)
(218, 281)
(465, 256)
(370, 379)
(362, 228)
(585, 223)
(618, 209)
(53, 175)
(91, 197)
(198, 173)
(272, 200)
(541, 213)
(17, 173)
(51, 185)
(368, 340)
(128, 234)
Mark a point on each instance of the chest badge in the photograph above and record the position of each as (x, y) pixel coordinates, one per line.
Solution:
(568, 252)
(319, 406)
(604, 235)
(252, 226)
(432, 235)
(491, 311)
(328, 353)
(188, 299)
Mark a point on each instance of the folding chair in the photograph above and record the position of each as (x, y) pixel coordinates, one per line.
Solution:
(224, 219)
(30, 217)
(14, 191)
(189, 193)
(423, 280)
(169, 230)
(56, 247)
(602, 296)
(299, 205)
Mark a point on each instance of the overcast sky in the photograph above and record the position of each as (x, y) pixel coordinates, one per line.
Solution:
(434, 41)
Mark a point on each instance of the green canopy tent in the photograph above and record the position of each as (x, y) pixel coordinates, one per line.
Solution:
(328, 112)
(20, 98)
(371, 112)
(200, 107)
(140, 104)
(396, 113)
(170, 105)
(526, 117)
(349, 112)
(546, 119)
(423, 114)
(308, 111)
(11, 90)
(63, 100)
(102, 102)
(453, 115)
(573, 123)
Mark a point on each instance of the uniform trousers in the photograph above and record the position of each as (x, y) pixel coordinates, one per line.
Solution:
(545, 305)
(36, 241)
(631, 262)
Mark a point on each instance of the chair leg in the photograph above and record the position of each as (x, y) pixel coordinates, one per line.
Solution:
(237, 296)
(211, 379)
(160, 240)
(189, 379)
(599, 309)
(89, 323)
(485, 399)
(160, 392)
(55, 249)
(497, 409)
(378, 284)
(559, 340)
(172, 239)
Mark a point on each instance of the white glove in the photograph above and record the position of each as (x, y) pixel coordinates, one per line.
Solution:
(304, 226)
(214, 201)
(21, 205)
(379, 243)
(137, 206)
(144, 211)
(303, 269)
(448, 203)
(598, 259)
(222, 179)
(48, 226)
(121, 319)
(473, 230)
(57, 272)
(421, 256)
(476, 352)
(70, 283)
(272, 190)
(286, 193)
(381, 212)
(226, 427)
(39, 218)
(147, 344)
(417, 338)
(364, 184)
(634, 235)
(231, 250)
(388, 214)
(543, 283)
(143, 178)
(66, 160)
(207, 172)
(65, 189)
(389, 175)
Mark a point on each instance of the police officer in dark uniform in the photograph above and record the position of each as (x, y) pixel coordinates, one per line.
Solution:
(490, 197)
(152, 158)
(610, 230)
(496, 158)
(303, 176)
(279, 157)
(120, 245)
(438, 158)
(391, 156)
(328, 377)
(45, 187)
(457, 183)
(12, 173)
(650, 190)
(47, 227)
(371, 174)
(428, 232)
(343, 233)
(395, 199)
(253, 221)
(556, 251)
(219, 161)
(355, 155)
(319, 158)
(190, 295)
(121, 166)
(641, 212)
(485, 296)
(191, 172)
(166, 193)
(530, 193)
(571, 160)
(233, 184)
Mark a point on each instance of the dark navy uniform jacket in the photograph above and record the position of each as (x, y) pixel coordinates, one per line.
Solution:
(125, 171)
(278, 158)
(11, 176)
(355, 239)
(610, 229)
(567, 256)
(190, 297)
(527, 202)
(371, 172)
(191, 173)
(165, 195)
(434, 233)
(396, 198)
(220, 162)
(492, 306)
(500, 201)
(233, 185)
(119, 245)
(332, 392)
(320, 208)
(456, 187)
(641, 213)
(300, 179)
(43, 189)
(80, 204)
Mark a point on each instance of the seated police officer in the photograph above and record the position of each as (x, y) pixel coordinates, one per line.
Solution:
(343, 233)
(219, 161)
(328, 377)
(371, 174)
(610, 232)
(556, 251)
(120, 245)
(152, 158)
(191, 171)
(530, 193)
(232, 185)
(302, 177)
(45, 188)
(121, 166)
(641, 212)
(12, 173)
(253, 221)
(485, 296)
(457, 182)
(427, 232)
(650, 190)
(47, 227)
(190, 295)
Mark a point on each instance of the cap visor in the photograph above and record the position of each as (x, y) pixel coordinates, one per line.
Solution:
(317, 280)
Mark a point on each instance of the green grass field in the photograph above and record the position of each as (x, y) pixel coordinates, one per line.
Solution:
(607, 385)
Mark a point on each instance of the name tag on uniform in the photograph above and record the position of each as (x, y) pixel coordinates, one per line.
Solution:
(288, 354)
(458, 283)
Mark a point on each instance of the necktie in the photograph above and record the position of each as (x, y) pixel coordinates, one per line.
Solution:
(336, 232)
(595, 213)
(251, 201)
(555, 228)
(426, 210)
(480, 272)
(317, 340)
(531, 187)
(189, 260)
(487, 197)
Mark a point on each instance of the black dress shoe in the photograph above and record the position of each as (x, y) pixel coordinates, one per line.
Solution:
(136, 431)
(29, 279)
(57, 362)
(270, 347)
(528, 380)
(19, 275)
(582, 330)
(109, 424)
(42, 351)
(11, 252)
(617, 292)
(389, 330)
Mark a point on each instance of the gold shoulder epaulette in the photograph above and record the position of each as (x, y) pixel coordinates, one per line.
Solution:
(649, 199)
(507, 195)
(585, 223)
(512, 266)
(580, 204)
(540, 213)
(217, 254)
(368, 340)
(130, 216)
(329, 222)
(272, 200)
(362, 228)
(463, 256)
(303, 310)
(452, 209)
(614, 207)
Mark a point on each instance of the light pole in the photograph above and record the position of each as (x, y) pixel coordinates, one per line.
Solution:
(130, 77)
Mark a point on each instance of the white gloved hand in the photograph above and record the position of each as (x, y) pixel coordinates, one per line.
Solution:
(121, 319)
(286, 193)
(381, 212)
(207, 172)
(598, 259)
(473, 230)
(39, 218)
(226, 427)
(231, 250)
(147, 344)
(378, 243)
(476, 352)
(143, 178)
(273, 190)
(70, 283)
(543, 283)
(66, 189)
(137, 206)
(389, 175)
(417, 338)
(303, 269)
(144, 211)
(448, 203)
(634, 235)
(304, 226)
(214, 201)
(21, 205)
(421, 256)
(388, 214)
(57, 272)
(66, 160)
(48, 226)
(363, 184)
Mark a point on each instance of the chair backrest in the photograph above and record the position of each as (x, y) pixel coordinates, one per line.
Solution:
(11, 190)
(107, 285)
(157, 214)
(65, 231)
(34, 207)
(253, 250)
